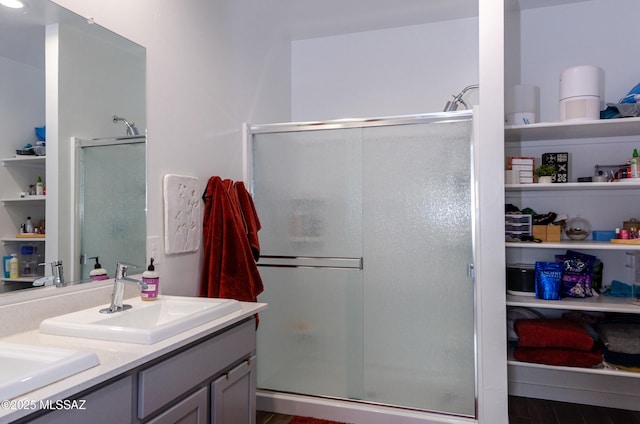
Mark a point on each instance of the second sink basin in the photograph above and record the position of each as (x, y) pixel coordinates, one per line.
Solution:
(145, 323)
(24, 368)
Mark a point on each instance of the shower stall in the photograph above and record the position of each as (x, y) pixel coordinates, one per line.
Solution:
(367, 256)
(110, 179)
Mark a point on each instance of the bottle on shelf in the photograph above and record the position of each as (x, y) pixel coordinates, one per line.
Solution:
(28, 226)
(13, 267)
(40, 187)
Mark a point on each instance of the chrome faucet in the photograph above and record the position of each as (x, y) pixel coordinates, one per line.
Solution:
(118, 289)
(56, 279)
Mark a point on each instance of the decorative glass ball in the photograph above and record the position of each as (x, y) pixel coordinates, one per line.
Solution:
(577, 228)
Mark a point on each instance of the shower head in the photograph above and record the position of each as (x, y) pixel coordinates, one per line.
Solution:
(453, 104)
(131, 128)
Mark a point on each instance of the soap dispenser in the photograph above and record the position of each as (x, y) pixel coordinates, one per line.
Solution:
(152, 279)
(98, 273)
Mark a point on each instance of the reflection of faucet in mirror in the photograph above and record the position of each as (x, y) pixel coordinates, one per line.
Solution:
(56, 279)
(118, 289)
(131, 128)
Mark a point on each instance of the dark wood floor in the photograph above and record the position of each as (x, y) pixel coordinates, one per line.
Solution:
(529, 411)
(537, 411)
(271, 418)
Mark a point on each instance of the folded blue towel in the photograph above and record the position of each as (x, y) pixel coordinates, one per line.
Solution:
(620, 289)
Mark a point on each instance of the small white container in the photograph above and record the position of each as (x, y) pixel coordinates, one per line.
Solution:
(581, 93)
(521, 104)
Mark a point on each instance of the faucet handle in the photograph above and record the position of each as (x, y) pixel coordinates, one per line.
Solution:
(122, 267)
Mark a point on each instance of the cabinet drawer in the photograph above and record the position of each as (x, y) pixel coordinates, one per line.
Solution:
(161, 383)
(192, 410)
(233, 395)
(113, 403)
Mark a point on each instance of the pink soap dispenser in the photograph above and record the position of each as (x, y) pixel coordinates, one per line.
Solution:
(98, 273)
(152, 279)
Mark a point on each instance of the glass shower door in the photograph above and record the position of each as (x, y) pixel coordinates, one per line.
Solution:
(112, 185)
(308, 191)
(418, 298)
(367, 242)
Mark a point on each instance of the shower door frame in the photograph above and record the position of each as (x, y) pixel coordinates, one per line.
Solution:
(438, 117)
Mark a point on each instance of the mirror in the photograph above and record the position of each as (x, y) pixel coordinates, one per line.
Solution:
(76, 77)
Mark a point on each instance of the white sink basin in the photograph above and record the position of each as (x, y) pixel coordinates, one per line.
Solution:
(145, 323)
(24, 368)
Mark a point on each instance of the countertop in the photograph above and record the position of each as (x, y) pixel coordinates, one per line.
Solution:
(115, 358)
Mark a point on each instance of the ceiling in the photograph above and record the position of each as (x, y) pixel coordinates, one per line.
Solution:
(22, 31)
(313, 18)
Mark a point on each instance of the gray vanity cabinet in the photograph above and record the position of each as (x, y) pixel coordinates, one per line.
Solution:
(179, 387)
(112, 403)
(165, 384)
(232, 393)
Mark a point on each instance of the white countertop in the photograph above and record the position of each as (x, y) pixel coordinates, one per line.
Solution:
(115, 358)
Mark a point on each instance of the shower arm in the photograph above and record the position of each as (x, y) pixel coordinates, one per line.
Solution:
(131, 128)
(453, 104)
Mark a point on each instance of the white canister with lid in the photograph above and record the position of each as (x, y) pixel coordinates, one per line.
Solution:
(581, 93)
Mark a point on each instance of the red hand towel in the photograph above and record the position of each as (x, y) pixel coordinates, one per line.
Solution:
(229, 269)
(250, 217)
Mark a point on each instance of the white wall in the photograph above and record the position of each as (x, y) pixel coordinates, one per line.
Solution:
(399, 71)
(211, 65)
(571, 38)
(21, 104)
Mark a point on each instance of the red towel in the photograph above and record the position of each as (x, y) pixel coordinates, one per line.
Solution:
(559, 333)
(250, 218)
(560, 356)
(229, 269)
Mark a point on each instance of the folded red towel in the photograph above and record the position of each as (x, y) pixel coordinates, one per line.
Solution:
(560, 356)
(560, 333)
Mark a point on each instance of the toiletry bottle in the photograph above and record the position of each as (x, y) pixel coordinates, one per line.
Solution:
(151, 278)
(28, 226)
(39, 187)
(634, 165)
(13, 267)
(98, 273)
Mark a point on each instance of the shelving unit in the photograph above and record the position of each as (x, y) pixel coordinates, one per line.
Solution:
(18, 173)
(585, 141)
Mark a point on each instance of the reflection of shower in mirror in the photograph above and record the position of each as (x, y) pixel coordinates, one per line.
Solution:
(131, 128)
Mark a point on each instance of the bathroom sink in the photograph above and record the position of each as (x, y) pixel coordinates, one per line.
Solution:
(145, 323)
(24, 368)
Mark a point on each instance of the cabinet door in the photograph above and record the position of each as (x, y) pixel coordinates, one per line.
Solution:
(112, 404)
(233, 395)
(192, 410)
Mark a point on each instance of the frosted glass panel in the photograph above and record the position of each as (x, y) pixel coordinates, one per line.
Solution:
(400, 331)
(113, 205)
(308, 188)
(310, 337)
(418, 300)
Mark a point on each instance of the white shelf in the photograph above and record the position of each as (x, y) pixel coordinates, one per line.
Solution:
(29, 160)
(595, 304)
(572, 130)
(618, 185)
(569, 244)
(598, 371)
(21, 239)
(26, 199)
